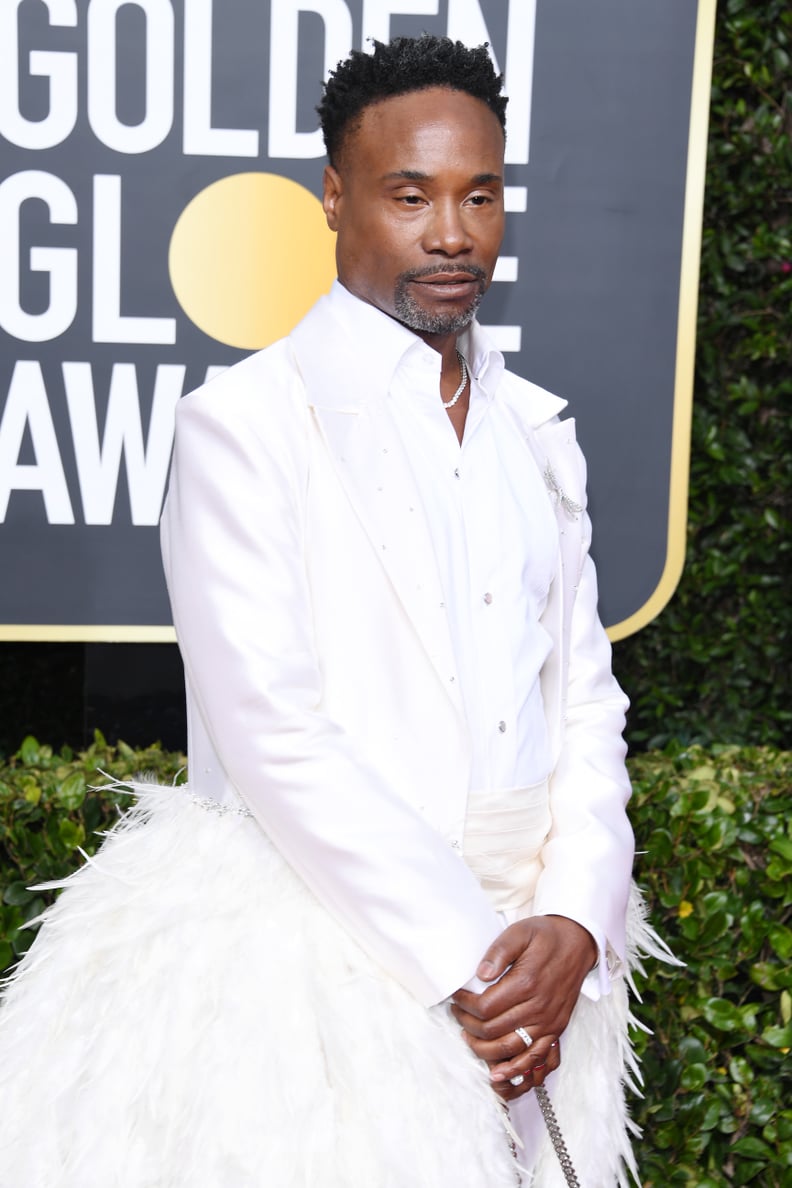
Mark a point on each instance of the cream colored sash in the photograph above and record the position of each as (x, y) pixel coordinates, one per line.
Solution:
(504, 834)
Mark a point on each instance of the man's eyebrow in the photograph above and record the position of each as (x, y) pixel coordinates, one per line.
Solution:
(417, 175)
(407, 175)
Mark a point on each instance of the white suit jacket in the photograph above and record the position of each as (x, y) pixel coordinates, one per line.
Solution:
(311, 620)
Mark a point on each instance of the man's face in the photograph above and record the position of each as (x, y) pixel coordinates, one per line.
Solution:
(417, 202)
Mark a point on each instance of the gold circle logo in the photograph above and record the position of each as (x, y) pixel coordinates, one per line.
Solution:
(249, 256)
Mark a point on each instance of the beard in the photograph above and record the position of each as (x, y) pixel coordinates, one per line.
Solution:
(413, 315)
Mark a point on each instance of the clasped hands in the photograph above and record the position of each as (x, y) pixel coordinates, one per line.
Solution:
(537, 966)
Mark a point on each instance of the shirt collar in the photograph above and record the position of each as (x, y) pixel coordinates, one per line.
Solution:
(384, 344)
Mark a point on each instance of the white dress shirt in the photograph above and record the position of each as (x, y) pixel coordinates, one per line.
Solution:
(496, 542)
(495, 539)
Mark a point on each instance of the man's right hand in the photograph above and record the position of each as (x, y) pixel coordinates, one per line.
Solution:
(540, 964)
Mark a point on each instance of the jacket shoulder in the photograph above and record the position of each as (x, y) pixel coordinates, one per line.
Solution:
(534, 405)
(263, 385)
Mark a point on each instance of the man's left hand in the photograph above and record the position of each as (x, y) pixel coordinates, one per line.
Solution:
(541, 963)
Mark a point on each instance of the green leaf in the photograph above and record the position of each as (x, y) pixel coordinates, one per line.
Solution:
(722, 1014)
(71, 834)
(71, 792)
(770, 975)
(778, 1037)
(752, 1148)
(783, 846)
(692, 1050)
(781, 939)
(29, 751)
(17, 894)
(694, 1077)
(741, 1071)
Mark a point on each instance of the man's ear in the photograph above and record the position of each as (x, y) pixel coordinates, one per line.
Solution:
(332, 190)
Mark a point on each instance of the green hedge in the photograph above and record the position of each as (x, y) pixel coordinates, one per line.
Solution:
(50, 809)
(715, 665)
(718, 875)
(715, 826)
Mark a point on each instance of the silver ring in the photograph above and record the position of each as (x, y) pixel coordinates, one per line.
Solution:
(524, 1036)
(518, 1080)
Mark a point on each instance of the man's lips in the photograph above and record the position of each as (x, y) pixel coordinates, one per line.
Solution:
(450, 284)
(447, 278)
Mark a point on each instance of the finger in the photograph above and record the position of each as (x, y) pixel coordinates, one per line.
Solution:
(509, 1092)
(538, 1061)
(545, 1067)
(501, 1025)
(497, 1051)
(542, 1068)
(467, 1001)
(524, 984)
(504, 950)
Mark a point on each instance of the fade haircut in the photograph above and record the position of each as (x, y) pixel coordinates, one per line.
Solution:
(404, 65)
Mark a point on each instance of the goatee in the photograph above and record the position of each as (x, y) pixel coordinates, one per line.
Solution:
(413, 315)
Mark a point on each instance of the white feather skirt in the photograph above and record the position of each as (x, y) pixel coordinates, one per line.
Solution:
(190, 1016)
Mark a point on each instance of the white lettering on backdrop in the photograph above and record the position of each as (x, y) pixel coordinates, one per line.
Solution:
(177, 43)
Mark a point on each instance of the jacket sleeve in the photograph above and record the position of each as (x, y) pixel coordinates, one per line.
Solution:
(589, 853)
(233, 536)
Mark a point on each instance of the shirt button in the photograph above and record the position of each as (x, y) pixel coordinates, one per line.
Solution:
(488, 598)
(456, 473)
(502, 727)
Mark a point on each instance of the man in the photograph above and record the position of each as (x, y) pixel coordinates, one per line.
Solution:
(404, 862)
(401, 555)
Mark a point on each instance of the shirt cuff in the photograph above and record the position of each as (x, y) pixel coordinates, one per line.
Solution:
(474, 983)
(597, 981)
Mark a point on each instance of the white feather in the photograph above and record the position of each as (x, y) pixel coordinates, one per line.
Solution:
(191, 1017)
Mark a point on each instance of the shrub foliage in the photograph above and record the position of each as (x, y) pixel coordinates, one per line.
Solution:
(717, 870)
(718, 874)
(715, 665)
(52, 809)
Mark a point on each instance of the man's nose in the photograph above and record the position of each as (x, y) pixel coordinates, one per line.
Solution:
(447, 231)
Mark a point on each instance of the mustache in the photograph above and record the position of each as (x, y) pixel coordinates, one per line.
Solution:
(470, 271)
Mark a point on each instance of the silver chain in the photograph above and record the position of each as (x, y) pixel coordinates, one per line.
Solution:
(463, 379)
(556, 1137)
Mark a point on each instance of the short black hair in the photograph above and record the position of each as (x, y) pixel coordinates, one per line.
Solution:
(399, 67)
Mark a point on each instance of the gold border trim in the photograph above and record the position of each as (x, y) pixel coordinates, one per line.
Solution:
(686, 328)
(58, 633)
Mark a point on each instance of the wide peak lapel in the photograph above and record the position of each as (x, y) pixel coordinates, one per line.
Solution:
(563, 468)
(553, 444)
(373, 467)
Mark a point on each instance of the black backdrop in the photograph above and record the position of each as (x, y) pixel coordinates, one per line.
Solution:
(597, 265)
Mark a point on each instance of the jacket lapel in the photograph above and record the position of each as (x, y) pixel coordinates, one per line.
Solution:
(350, 410)
(553, 445)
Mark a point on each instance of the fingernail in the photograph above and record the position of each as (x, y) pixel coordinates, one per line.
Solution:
(538, 1067)
(486, 970)
(498, 1076)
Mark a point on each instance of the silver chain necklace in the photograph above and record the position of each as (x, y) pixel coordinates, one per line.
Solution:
(463, 371)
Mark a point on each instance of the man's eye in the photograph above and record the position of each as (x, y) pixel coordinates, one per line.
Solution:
(479, 199)
(411, 199)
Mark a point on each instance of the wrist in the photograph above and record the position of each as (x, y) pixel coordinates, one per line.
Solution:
(583, 938)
